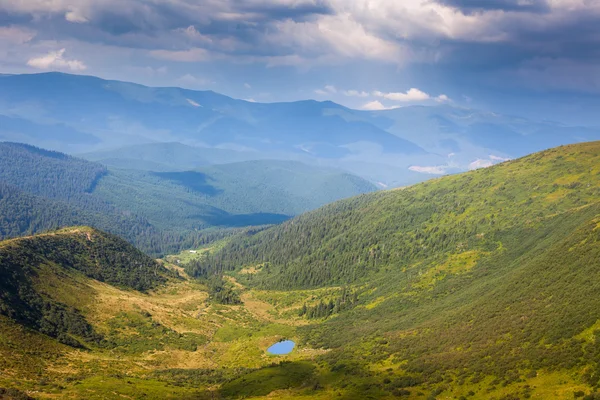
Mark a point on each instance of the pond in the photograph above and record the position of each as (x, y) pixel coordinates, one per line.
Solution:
(281, 348)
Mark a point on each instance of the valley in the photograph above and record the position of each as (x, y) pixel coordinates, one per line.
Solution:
(480, 285)
(299, 199)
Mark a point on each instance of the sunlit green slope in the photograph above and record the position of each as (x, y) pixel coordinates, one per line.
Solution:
(489, 274)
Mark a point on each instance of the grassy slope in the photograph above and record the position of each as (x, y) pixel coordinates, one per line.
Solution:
(168, 343)
(485, 274)
(506, 308)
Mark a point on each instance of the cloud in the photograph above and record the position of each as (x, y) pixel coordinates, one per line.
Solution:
(75, 17)
(376, 105)
(535, 44)
(191, 55)
(191, 81)
(498, 5)
(247, 86)
(56, 60)
(15, 34)
(434, 170)
(327, 90)
(193, 103)
(410, 95)
(355, 93)
(479, 163)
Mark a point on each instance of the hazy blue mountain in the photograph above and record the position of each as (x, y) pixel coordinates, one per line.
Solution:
(170, 156)
(55, 189)
(132, 126)
(464, 136)
(236, 194)
(105, 108)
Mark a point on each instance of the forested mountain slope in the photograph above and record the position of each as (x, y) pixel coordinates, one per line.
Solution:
(358, 237)
(158, 211)
(481, 276)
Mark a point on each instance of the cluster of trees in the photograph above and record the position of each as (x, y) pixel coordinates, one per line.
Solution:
(345, 301)
(222, 292)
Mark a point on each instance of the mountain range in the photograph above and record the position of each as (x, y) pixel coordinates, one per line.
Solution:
(477, 285)
(82, 114)
(42, 189)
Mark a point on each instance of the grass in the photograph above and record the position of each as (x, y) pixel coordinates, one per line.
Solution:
(489, 297)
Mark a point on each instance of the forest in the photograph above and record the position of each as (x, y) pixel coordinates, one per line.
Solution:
(160, 212)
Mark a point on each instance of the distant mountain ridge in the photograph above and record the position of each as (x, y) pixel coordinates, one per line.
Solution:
(82, 114)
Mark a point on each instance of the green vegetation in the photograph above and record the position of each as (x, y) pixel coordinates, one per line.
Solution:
(126, 329)
(489, 273)
(344, 302)
(285, 375)
(160, 212)
(221, 292)
(97, 255)
(476, 286)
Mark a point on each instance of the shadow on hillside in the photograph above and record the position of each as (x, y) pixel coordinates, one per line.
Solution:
(196, 181)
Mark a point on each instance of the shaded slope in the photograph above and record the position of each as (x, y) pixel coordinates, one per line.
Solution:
(29, 265)
(158, 211)
(237, 194)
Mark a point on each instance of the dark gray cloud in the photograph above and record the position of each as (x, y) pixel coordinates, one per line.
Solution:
(537, 6)
(525, 45)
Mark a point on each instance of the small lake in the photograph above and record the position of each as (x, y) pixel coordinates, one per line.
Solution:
(281, 348)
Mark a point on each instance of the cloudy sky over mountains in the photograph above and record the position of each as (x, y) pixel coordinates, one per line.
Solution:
(508, 55)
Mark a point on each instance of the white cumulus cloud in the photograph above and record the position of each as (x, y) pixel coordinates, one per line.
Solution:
(56, 60)
(376, 105)
(410, 95)
(355, 93)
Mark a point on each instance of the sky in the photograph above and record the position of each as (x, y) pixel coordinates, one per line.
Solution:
(536, 58)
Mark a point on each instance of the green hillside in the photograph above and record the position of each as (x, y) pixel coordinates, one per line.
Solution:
(238, 194)
(31, 266)
(160, 212)
(475, 286)
(486, 276)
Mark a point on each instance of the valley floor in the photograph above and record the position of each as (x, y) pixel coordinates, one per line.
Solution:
(174, 343)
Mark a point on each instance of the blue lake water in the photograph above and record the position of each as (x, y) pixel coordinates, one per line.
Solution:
(281, 348)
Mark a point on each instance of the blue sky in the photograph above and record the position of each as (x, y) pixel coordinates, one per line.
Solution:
(538, 58)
